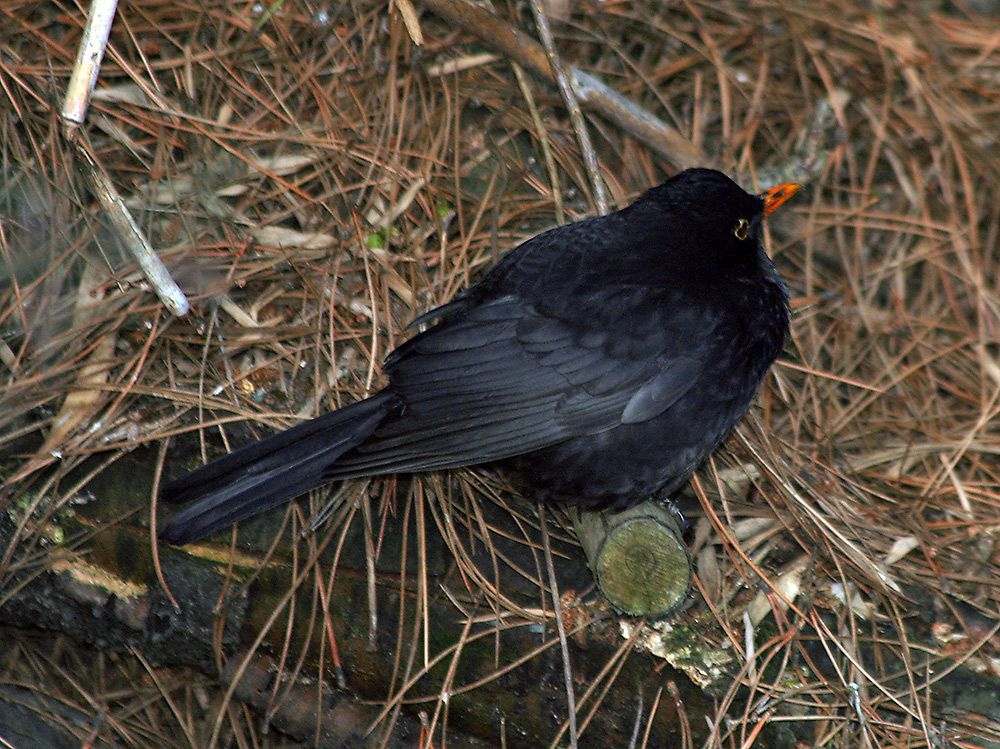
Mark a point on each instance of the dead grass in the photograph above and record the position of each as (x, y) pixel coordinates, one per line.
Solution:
(315, 181)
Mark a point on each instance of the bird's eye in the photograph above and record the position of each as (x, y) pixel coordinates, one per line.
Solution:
(742, 229)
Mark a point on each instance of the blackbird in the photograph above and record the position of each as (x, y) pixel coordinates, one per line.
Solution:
(601, 362)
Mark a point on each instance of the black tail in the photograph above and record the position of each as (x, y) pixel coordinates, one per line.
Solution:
(270, 472)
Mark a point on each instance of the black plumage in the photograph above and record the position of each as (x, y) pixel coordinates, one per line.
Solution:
(601, 362)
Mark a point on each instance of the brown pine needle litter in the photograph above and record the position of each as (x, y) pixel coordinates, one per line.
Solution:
(316, 175)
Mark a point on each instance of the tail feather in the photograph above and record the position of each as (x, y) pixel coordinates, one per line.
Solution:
(269, 472)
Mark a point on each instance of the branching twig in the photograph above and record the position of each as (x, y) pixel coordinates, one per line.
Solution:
(591, 92)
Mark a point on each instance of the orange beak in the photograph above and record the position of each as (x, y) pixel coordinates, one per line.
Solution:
(778, 195)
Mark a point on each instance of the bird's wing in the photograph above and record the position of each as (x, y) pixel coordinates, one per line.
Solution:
(502, 379)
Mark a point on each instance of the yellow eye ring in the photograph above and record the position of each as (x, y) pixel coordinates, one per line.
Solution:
(742, 229)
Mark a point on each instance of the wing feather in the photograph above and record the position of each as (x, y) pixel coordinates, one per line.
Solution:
(502, 379)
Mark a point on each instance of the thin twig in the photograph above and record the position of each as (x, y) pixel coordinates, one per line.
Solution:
(560, 627)
(575, 115)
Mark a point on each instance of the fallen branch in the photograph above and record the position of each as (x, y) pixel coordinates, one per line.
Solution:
(589, 91)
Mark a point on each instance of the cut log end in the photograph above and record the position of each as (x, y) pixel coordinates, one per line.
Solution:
(641, 564)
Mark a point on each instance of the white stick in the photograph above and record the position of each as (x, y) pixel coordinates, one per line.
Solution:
(88, 60)
(81, 85)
